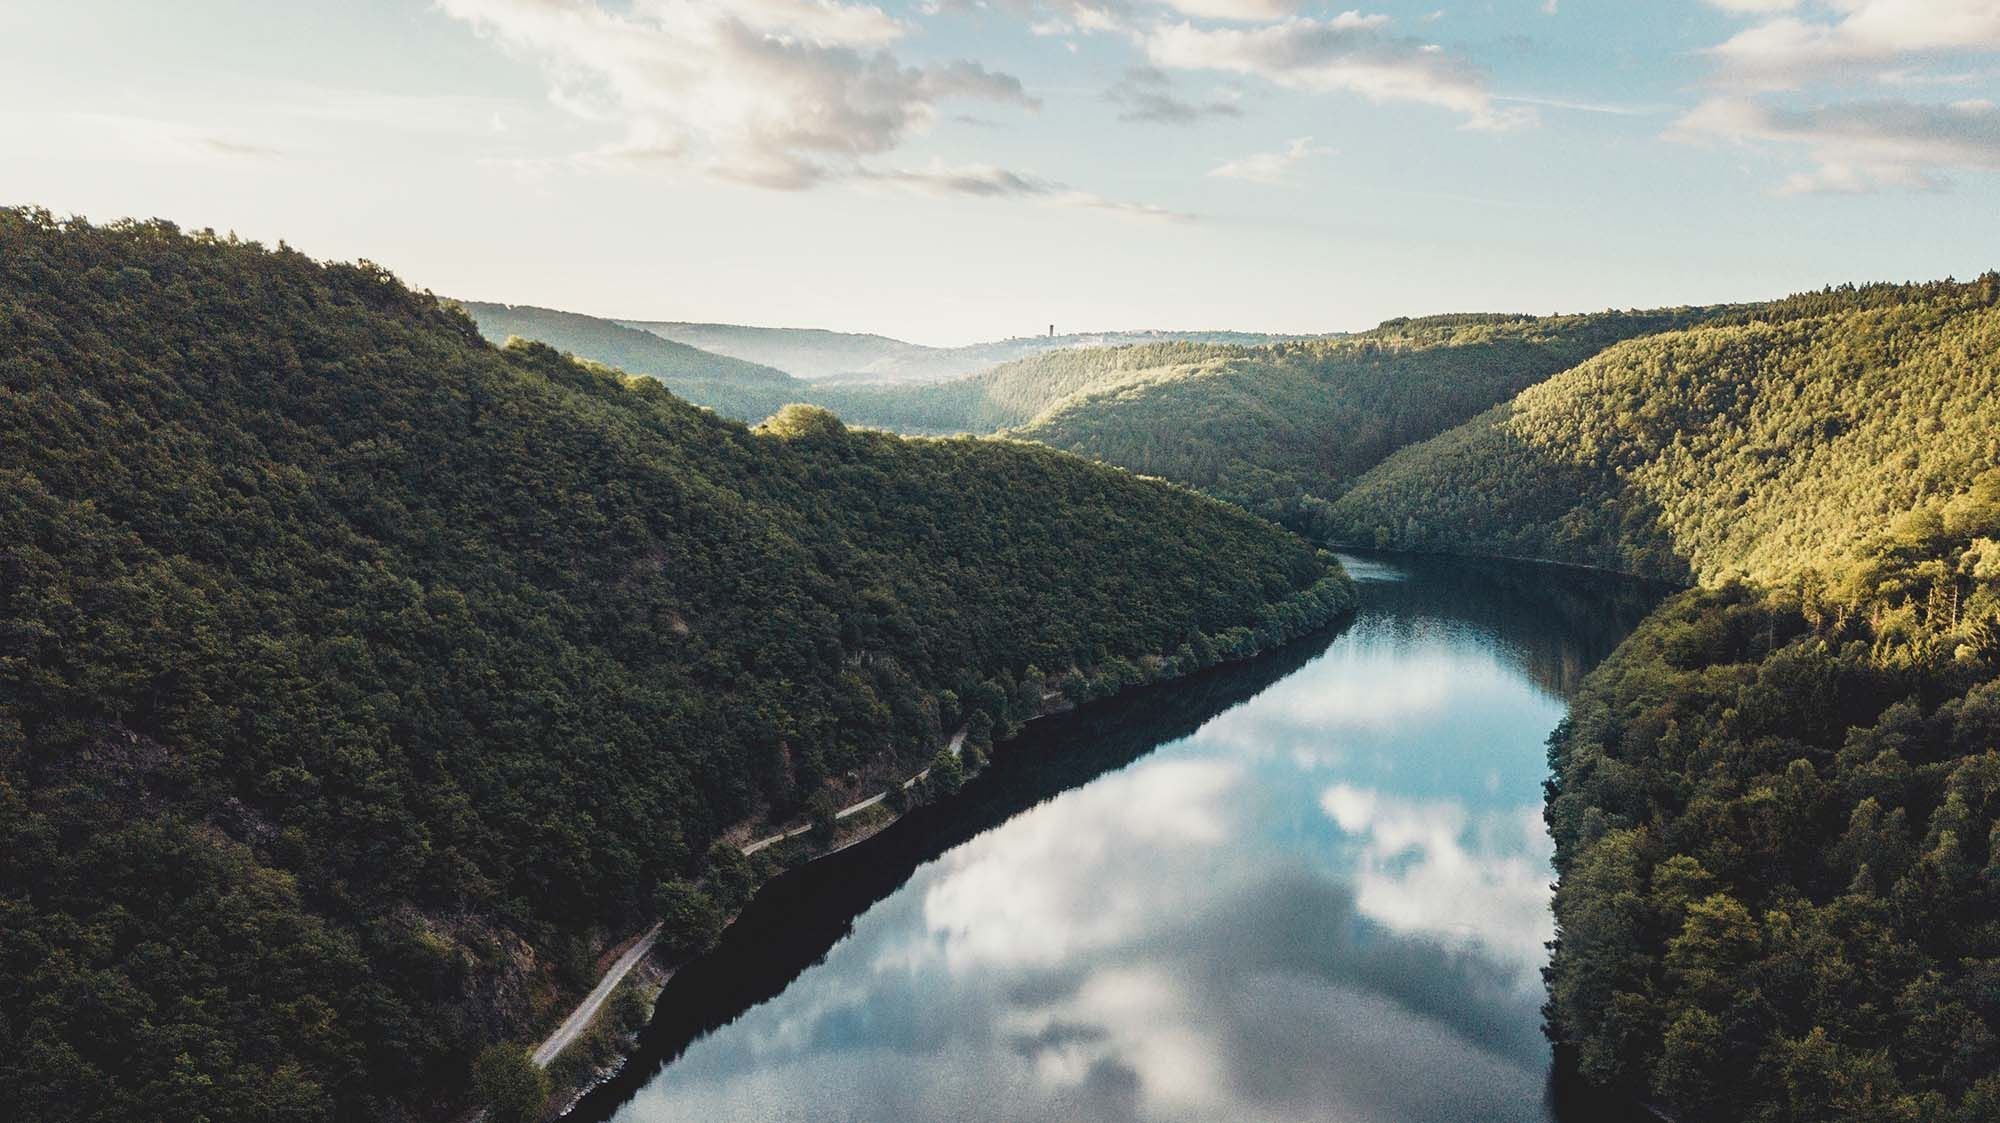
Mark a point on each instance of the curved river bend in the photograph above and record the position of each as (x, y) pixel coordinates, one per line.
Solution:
(1311, 887)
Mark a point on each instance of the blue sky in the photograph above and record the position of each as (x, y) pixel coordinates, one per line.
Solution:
(951, 170)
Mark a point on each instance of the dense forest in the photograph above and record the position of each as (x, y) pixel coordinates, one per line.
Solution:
(1777, 819)
(1010, 394)
(1283, 429)
(358, 677)
(1777, 806)
(1280, 429)
(1743, 447)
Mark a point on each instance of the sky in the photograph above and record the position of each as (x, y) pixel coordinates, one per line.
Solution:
(947, 171)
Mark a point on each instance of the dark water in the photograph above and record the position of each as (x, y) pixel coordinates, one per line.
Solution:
(1311, 887)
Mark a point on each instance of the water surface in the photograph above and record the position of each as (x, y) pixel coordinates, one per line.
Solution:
(1313, 887)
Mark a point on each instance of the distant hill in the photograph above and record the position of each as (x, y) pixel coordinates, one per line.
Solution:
(1008, 395)
(816, 354)
(733, 387)
(1280, 429)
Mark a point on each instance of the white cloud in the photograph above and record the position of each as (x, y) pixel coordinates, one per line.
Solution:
(1430, 868)
(1021, 899)
(1065, 17)
(1348, 53)
(989, 182)
(1855, 145)
(1145, 94)
(1271, 167)
(1244, 10)
(1788, 50)
(1860, 146)
(776, 93)
(167, 141)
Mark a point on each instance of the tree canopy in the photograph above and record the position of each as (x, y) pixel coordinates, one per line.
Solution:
(356, 677)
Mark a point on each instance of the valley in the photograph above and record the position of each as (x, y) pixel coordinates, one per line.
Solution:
(1000, 561)
(315, 582)
(1819, 470)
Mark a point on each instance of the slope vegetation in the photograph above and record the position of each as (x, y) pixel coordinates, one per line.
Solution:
(1777, 822)
(1282, 429)
(1734, 448)
(1777, 807)
(734, 388)
(356, 677)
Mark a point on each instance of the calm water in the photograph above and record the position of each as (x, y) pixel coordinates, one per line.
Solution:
(1314, 887)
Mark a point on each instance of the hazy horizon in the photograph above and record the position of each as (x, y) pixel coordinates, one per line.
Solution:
(945, 172)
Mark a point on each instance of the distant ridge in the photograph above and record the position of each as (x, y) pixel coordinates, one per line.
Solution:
(818, 354)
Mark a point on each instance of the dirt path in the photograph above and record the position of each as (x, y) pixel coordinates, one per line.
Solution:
(580, 1018)
(957, 747)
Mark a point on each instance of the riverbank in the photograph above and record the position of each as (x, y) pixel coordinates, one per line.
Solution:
(1310, 611)
(1181, 833)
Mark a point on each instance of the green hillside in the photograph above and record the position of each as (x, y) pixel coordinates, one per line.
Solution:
(1277, 429)
(734, 388)
(807, 353)
(1010, 395)
(357, 679)
(1777, 822)
(1777, 807)
(1282, 429)
(1740, 448)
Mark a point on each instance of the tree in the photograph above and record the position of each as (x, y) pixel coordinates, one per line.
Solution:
(947, 772)
(690, 920)
(824, 816)
(510, 1084)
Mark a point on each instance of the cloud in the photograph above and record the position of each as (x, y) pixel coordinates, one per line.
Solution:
(1859, 146)
(988, 182)
(1145, 94)
(1349, 53)
(1786, 51)
(1432, 868)
(1271, 167)
(223, 146)
(1032, 901)
(1067, 17)
(171, 141)
(1243, 10)
(1753, 5)
(775, 93)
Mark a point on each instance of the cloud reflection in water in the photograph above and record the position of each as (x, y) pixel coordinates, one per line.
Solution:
(1329, 903)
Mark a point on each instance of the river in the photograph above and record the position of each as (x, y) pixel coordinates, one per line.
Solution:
(1314, 886)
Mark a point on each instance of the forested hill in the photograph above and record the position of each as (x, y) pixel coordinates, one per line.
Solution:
(1748, 447)
(1011, 394)
(358, 678)
(847, 358)
(1777, 807)
(1282, 429)
(1279, 429)
(734, 388)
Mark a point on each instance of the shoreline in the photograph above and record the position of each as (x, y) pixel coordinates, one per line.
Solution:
(1056, 702)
